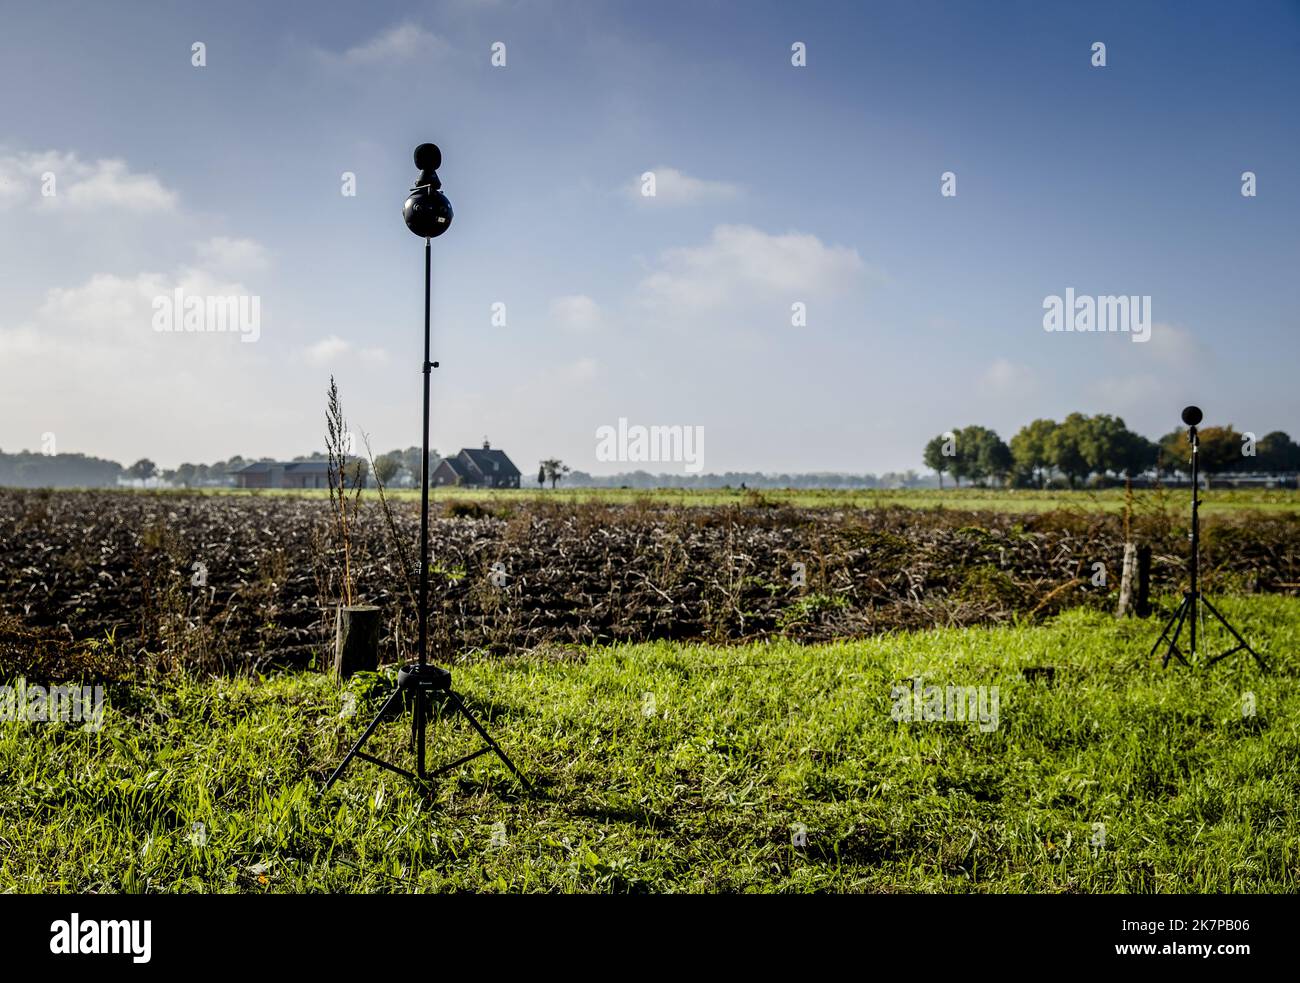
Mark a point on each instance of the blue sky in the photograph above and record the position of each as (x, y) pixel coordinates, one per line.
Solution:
(776, 185)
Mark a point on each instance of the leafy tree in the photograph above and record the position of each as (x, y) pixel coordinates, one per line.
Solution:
(1220, 450)
(1139, 455)
(1174, 453)
(541, 475)
(143, 469)
(554, 469)
(1276, 452)
(356, 470)
(981, 454)
(387, 466)
(995, 457)
(410, 459)
(936, 457)
(1104, 443)
(1065, 446)
(1029, 448)
(185, 474)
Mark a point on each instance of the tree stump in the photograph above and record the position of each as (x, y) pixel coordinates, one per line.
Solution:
(356, 639)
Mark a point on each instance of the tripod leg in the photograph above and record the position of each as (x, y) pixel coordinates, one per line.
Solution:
(1173, 650)
(1241, 642)
(1176, 623)
(418, 731)
(365, 736)
(1168, 624)
(415, 716)
(464, 710)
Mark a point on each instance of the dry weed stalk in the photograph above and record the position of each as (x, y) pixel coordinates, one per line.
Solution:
(344, 503)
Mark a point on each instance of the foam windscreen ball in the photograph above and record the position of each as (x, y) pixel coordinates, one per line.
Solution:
(428, 157)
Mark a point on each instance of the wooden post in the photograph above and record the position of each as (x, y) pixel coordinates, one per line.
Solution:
(1126, 580)
(1143, 606)
(356, 639)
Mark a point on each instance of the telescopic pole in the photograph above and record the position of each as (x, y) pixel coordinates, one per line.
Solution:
(424, 515)
(1196, 534)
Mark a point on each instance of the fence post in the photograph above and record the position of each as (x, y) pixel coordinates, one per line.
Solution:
(1143, 606)
(356, 639)
(1126, 580)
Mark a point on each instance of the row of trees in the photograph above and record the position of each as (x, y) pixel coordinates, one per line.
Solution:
(1081, 446)
(751, 479)
(31, 469)
(397, 468)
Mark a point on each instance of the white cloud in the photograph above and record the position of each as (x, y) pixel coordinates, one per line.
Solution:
(327, 350)
(1171, 344)
(1006, 377)
(19, 341)
(80, 185)
(228, 255)
(333, 348)
(672, 187)
(89, 366)
(398, 43)
(576, 312)
(86, 363)
(1127, 393)
(740, 261)
(1140, 375)
(582, 370)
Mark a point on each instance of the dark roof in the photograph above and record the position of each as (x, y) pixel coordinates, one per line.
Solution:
(490, 461)
(457, 467)
(301, 467)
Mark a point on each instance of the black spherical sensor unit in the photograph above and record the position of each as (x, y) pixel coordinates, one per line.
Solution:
(427, 211)
(1192, 415)
(428, 157)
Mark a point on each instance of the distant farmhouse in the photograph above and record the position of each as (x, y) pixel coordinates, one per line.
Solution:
(477, 468)
(284, 474)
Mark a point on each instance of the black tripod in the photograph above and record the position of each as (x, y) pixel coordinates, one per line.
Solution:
(1192, 597)
(428, 214)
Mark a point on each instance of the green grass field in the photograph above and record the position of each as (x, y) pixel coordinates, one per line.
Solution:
(664, 767)
(962, 499)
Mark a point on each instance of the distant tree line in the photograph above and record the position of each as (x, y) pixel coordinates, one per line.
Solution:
(401, 469)
(749, 479)
(1100, 448)
(29, 469)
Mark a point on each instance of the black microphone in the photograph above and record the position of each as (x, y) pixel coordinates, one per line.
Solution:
(427, 211)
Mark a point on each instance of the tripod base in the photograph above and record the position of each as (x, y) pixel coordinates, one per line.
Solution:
(1186, 614)
(425, 682)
